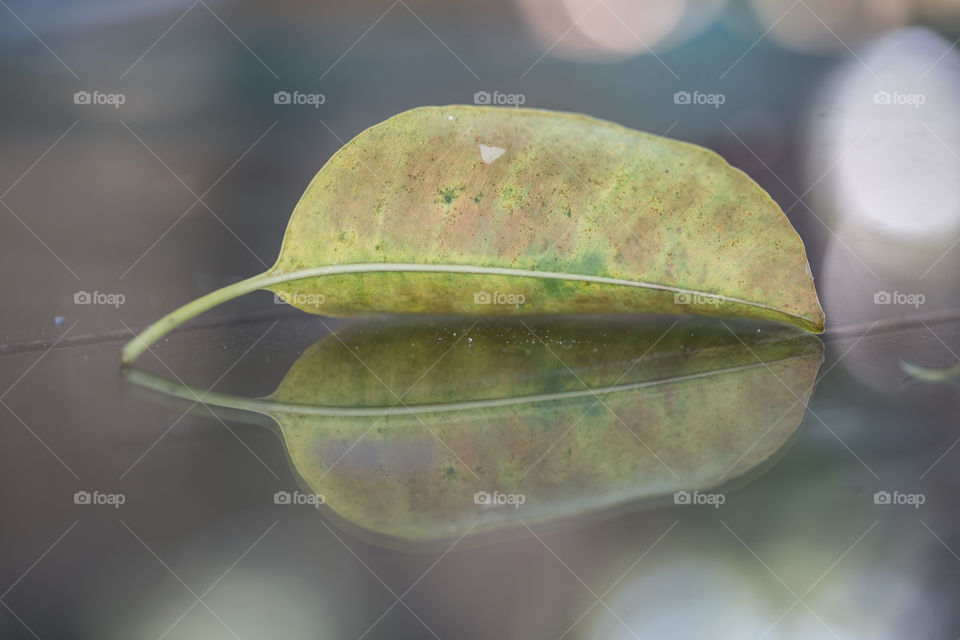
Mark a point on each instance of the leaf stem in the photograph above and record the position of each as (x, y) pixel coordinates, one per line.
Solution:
(269, 407)
(198, 396)
(161, 327)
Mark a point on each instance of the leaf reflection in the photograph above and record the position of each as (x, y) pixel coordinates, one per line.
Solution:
(399, 425)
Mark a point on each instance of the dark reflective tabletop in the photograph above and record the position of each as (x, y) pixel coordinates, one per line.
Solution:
(267, 473)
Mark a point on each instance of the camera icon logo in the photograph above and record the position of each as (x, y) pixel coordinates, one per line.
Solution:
(481, 97)
(482, 297)
(681, 497)
(482, 497)
(81, 97)
(881, 97)
(681, 97)
(82, 297)
(881, 497)
(81, 497)
(882, 297)
(281, 497)
(681, 298)
(281, 97)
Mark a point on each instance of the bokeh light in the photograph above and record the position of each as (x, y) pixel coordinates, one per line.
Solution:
(614, 30)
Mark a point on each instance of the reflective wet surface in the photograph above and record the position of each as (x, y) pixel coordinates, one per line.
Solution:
(265, 473)
(184, 493)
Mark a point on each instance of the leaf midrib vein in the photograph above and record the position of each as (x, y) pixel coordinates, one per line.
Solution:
(274, 277)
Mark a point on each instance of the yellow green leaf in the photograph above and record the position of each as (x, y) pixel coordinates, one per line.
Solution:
(487, 211)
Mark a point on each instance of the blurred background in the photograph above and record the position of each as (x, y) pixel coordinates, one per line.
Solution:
(153, 151)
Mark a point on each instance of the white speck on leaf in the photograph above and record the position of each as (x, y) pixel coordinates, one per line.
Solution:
(489, 154)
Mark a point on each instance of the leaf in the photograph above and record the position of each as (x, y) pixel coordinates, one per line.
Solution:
(398, 425)
(487, 211)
